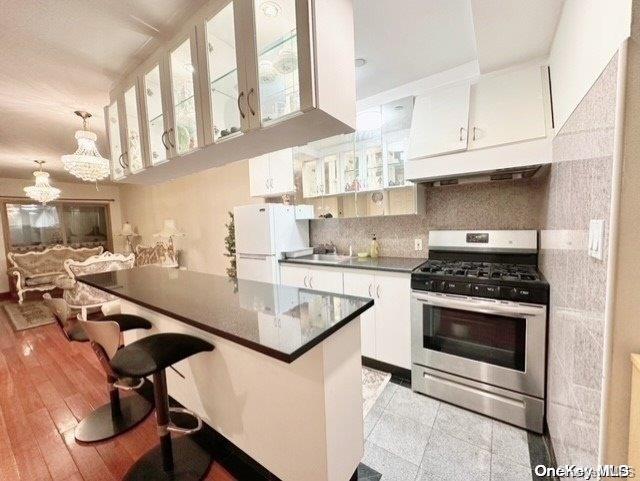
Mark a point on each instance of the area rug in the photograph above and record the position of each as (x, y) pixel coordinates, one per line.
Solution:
(28, 315)
(373, 383)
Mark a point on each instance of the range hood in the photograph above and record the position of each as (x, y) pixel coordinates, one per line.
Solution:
(500, 174)
(515, 160)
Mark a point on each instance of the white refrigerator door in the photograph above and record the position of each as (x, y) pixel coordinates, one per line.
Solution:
(254, 229)
(259, 268)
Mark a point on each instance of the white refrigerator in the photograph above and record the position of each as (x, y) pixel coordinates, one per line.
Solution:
(263, 233)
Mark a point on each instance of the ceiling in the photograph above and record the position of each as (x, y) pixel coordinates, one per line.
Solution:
(404, 44)
(513, 31)
(63, 55)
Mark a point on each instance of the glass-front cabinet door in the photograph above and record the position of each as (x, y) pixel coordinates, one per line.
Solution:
(118, 168)
(311, 178)
(282, 61)
(331, 174)
(183, 135)
(133, 157)
(225, 98)
(352, 179)
(374, 165)
(153, 88)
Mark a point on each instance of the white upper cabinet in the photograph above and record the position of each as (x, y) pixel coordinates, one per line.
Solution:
(507, 107)
(224, 89)
(243, 78)
(184, 135)
(118, 167)
(507, 113)
(272, 174)
(155, 113)
(281, 172)
(134, 160)
(440, 122)
(279, 53)
(259, 176)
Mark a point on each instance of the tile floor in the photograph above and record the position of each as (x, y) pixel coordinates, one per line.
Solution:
(411, 437)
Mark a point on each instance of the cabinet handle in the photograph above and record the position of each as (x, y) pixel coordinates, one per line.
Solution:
(251, 90)
(462, 129)
(164, 140)
(378, 291)
(172, 144)
(370, 291)
(242, 114)
(310, 284)
(474, 134)
(120, 161)
(305, 281)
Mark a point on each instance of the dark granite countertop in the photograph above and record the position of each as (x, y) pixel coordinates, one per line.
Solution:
(279, 321)
(392, 264)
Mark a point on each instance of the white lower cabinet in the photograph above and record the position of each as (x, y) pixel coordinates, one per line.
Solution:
(387, 335)
(325, 279)
(386, 327)
(361, 283)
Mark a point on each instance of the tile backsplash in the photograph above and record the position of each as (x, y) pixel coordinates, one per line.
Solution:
(506, 204)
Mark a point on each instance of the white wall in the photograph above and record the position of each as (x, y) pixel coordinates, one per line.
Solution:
(13, 187)
(588, 35)
(199, 204)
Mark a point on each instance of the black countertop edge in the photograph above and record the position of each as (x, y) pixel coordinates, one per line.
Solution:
(281, 356)
(401, 270)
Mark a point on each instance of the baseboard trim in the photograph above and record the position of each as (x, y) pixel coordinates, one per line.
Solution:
(397, 373)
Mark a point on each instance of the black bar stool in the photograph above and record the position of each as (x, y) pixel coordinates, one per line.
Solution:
(183, 458)
(120, 414)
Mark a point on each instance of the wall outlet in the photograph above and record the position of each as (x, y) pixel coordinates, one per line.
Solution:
(418, 244)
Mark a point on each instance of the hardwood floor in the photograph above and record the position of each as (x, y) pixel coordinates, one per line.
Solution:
(46, 385)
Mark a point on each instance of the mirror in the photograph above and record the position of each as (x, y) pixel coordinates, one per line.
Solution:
(361, 174)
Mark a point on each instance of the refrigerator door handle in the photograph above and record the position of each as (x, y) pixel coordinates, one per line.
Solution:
(253, 256)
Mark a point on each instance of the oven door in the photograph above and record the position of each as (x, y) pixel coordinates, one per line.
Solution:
(496, 342)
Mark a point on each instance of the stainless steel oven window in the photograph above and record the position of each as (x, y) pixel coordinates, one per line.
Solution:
(491, 338)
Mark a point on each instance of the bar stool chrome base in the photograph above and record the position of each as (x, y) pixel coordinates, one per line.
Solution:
(190, 463)
(102, 423)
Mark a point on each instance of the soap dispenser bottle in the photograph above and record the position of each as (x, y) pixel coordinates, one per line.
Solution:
(374, 251)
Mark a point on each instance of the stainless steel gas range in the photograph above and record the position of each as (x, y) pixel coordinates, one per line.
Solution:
(479, 324)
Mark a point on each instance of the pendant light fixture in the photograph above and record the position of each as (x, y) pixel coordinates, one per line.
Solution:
(42, 190)
(86, 163)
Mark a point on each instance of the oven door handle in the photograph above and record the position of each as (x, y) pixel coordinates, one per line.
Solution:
(479, 306)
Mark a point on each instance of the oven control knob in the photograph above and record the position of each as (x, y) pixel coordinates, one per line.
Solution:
(442, 287)
(513, 293)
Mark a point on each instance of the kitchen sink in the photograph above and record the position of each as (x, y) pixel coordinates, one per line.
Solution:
(324, 258)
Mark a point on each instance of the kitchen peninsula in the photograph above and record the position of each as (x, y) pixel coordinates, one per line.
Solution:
(284, 381)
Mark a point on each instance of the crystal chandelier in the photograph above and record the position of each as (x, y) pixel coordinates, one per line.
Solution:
(42, 191)
(86, 162)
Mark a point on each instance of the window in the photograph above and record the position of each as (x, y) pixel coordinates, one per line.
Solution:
(33, 226)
